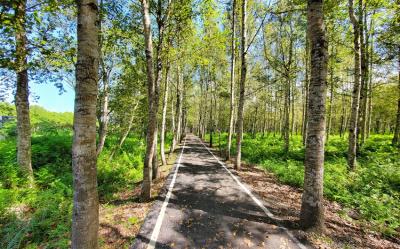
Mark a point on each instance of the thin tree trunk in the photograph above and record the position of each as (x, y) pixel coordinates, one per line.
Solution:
(292, 124)
(396, 136)
(330, 111)
(312, 209)
(152, 94)
(125, 133)
(243, 72)
(178, 121)
(161, 22)
(232, 99)
(307, 84)
(103, 120)
(368, 128)
(343, 116)
(85, 217)
(172, 121)
(286, 117)
(164, 117)
(22, 93)
(352, 151)
(211, 117)
(104, 116)
(364, 75)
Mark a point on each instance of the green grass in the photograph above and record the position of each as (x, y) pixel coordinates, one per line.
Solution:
(41, 216)
(373, 188)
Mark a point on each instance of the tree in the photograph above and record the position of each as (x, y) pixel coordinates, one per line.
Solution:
(243, 72)
(22, 92)
(396, 136)
(312, 210)
(164, 117)
(352, 151)
(152, 99)
(104, 94)
(85, 218)
(232, 87)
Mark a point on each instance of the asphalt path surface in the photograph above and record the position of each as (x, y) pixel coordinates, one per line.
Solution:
(204, 205)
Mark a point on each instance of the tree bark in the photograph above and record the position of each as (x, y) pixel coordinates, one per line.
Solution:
(232, 86)
(243, 73)
(330, 111)
(369, 119)
(85, 217)
(286, 111)
(152, 94)
(104, 116)
(164, 117)
(364, 77)
(312, 210)
(22, 93)
(178, 120)
(396, 135)
(352, 150)
(307, 84)
(103, 120)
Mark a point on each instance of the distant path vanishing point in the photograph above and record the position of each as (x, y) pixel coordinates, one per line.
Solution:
(206, 206)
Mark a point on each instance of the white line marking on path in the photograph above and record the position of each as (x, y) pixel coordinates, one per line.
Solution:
(257, 201)
(157, 227)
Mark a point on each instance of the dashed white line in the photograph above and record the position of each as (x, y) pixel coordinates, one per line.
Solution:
(157, 227)
(257, 201)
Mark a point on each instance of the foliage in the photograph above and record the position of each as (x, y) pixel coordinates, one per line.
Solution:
(41, 216)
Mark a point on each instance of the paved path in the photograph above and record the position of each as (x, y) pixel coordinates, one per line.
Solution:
(206, 206)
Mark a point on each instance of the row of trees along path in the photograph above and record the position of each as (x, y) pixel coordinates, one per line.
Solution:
(172, 20)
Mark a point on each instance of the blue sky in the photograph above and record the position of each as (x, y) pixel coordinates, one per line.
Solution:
(50, 98)
(47, 96)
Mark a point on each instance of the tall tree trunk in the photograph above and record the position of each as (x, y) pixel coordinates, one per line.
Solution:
(396, 136)
(312, 210)
(307, 84)
(152, 94)
(352, 151)
(292, 99)
(164, 117)
(172, 121)
(103, 122)
(364, 75)
(232, 99)
(286, 117)
(243, 73)
(103, 119)
(371, 53)
(85, 217)
(178, 120)
(22, 93)
(330, 111)
(343, 116)
(161, 22)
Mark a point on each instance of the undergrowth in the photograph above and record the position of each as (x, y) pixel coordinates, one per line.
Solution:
(373, 189)
(40, 217)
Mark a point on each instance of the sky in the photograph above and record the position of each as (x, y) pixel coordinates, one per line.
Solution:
(50, 98)
(47, 96)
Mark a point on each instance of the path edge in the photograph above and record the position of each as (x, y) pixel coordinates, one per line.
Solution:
(255, 197)
(141, 241)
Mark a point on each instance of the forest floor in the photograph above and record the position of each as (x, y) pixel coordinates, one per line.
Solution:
(122, 217)
(284, 201)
